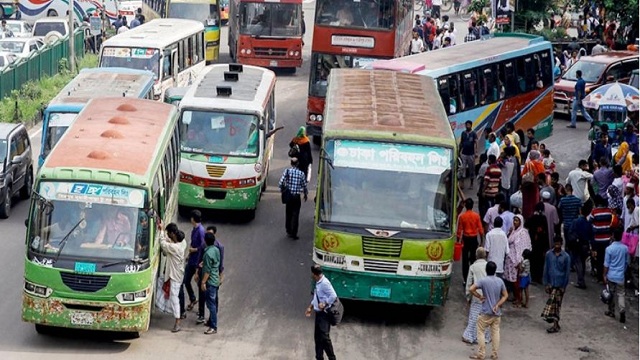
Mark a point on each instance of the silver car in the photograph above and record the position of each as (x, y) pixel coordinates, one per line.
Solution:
(19, 28)
(16, 169)
(22, 47)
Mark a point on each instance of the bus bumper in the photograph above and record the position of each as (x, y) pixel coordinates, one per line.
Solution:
(388, 288)
(271, 63)
(212, 198)
(314, 130)
(90, 315)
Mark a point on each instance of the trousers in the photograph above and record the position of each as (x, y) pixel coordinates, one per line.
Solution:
(468, 254)
(492, 322)
(292, 213)
(322, 338)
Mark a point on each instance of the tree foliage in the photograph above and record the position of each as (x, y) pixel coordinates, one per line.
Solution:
(625, 11)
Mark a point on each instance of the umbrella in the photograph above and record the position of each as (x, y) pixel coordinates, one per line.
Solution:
(615, 94)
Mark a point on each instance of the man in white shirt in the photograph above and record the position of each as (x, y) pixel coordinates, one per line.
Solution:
(497, 245)
(579, 180)
(494, 148)
(417, 45)
(493, 213)
(174, 249)
(451, 33)
(599, 48)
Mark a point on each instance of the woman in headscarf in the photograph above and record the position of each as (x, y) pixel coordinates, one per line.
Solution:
(533, 165)
(303, 152)
(477, 271)
(530, 191)
(519, 240)
(538, 235)
(623, 157)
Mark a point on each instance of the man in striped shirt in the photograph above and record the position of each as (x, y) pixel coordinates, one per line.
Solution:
(569, 208)
(491, 181)
(294, 180)
(601, 218)
(469, 227)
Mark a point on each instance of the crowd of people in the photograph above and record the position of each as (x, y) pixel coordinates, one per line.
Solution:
(435, 32)
(532, 228)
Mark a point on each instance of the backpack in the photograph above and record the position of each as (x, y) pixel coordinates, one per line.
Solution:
(294, 151)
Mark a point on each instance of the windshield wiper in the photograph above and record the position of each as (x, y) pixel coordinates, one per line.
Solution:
(136, 261)
(324, 155)
(47, 203)
(63, 242)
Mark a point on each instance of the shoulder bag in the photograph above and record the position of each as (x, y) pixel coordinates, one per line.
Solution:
(334, 312)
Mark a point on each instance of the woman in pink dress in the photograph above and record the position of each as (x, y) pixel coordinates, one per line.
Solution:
(519, 240)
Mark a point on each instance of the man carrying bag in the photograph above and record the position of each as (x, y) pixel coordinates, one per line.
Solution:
(293, 183)
(328, 310)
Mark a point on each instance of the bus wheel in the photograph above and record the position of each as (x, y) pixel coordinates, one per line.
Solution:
(250, 214)
(52, 13)
(5, 209)
(317, 140)
(43, 329)
(131, 335)
(184, 212)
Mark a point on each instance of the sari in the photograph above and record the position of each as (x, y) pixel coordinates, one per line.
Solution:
(623, 157)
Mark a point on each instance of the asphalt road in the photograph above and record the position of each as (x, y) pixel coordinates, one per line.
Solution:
(267, 288)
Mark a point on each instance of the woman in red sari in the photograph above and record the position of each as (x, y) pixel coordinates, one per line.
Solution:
(530, 192)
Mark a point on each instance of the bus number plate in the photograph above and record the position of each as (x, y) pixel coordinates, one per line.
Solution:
(380, 292)
(82, 318)
(273, 63)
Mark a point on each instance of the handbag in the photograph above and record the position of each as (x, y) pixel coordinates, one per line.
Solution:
(334, 312)
(631, 241)
(285, 193)
(528, 177)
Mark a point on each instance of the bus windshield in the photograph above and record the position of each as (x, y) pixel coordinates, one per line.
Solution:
(132, 58)
(58, 124)
(591, 71)
(387, 185)
(104, 226)
(323, 63)
(270, 19)
(190, 10)
(219, 133)
(368, 14)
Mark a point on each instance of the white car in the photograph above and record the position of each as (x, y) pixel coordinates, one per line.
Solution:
(21, 47)
(19, 28)
(7, 59)
(44, 26)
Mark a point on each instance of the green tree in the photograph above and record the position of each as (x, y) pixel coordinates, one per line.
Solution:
(532, 12)
(625, 11)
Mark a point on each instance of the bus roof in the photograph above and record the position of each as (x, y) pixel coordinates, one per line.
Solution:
(248, 93)
(385, 101)
(468, 53)
(105, 82)
(116, 134)
(155, 34)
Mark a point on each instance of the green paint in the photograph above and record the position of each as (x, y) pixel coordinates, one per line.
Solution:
(234, 199)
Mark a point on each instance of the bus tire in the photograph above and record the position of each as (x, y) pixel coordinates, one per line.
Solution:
(5, 209)
(52, 13)
(249, 215)
(43, 329)
(131, 335)
(317, 140)
(184, 212)
(25, 192)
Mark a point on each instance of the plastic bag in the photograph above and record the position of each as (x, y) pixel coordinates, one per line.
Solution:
(161, 301)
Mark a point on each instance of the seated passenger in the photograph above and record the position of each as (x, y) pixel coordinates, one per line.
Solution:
(344, 16)
(116, 229)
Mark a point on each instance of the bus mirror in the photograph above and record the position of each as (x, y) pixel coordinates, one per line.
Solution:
(151, 214)
(261, 127)
(26, 222)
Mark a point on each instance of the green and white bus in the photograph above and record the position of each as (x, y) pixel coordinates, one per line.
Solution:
(385, 213)
(92, 249)
(227, 119)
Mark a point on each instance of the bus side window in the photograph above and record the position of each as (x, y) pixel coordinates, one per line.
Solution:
(199, 46)
(469, 95)
(191, 51)
(181, 55)
(546, 70)
(530, 73)
(443, 90)
(509, 79)
(455, 105)
(157, 191)
(166, 64)
(488, 89)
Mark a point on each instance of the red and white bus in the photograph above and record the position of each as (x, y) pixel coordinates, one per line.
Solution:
(266, 33)
(353, 34)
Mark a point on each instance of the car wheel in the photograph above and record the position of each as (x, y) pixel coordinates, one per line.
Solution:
(5, 209)
(25, 192)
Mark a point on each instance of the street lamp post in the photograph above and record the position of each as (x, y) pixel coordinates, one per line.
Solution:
(72, 39)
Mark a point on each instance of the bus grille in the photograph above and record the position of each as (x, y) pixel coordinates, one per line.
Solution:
(381, 247)
(384, 266)
(84, 283)
(270, 52)
(216, 171)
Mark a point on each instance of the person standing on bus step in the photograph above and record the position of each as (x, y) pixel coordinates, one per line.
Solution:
(294, 181)
(174, 249)
(417, 45)
(580, 93)
(469, 228)
(494, 295)
(323, 297)
(300, 147)
(468, 152)
(195, 251)
(210, 281)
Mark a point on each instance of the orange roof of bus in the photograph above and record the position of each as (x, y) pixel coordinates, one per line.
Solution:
(380, 100)
(118, 134)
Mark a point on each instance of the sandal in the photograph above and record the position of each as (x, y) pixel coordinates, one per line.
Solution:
(553, 330)
(476, 357)
(192, 305)
(176, 329)
(210, 331)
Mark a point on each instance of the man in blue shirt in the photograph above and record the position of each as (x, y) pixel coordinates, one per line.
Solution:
(323, 297)
(580, 93)
(579, 237)
(616, 259)
(601, 150)
(557, 267)
(195, 250)
(294, 181)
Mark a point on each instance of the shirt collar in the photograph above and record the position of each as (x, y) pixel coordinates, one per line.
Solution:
(320, 280)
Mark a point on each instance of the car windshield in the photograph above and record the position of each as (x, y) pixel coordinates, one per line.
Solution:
(58, 124)
(369, 14)
(591, 71)
(15, 47)
(192, 11)
(3, 151)
(385, 185)
(323, 63)
(14, 27)
(132, 58)
(43, 28)
(270, 19)
(109, 221)
(219, 133)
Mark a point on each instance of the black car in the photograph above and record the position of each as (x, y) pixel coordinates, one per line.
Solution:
(16, 165)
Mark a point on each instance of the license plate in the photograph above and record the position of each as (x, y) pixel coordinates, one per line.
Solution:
(380, 292)
(82, 318)
(273, 63)
(85, 267)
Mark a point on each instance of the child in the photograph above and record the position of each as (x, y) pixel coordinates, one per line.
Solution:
(524, 270)
(548, 162)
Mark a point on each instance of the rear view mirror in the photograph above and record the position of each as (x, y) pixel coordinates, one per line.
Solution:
(16, 160)
(26, 222)
(610, 78)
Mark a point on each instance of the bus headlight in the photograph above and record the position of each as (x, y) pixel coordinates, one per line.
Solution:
(312, 117)
(135, 296)
(243, 51)
(290, 52)
(319, 118)
(248, 51)
(37, 290)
